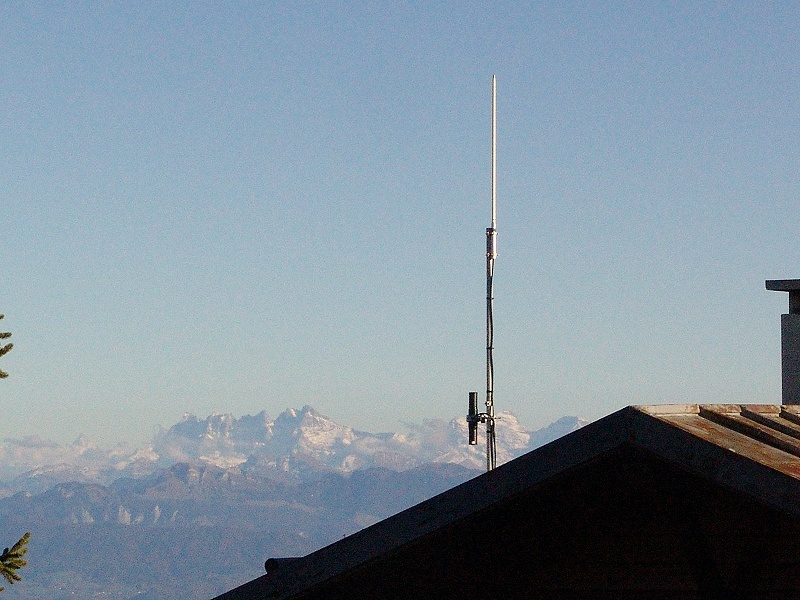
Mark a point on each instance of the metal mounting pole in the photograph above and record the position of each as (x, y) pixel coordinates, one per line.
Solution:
(473, 416)
(491, 254)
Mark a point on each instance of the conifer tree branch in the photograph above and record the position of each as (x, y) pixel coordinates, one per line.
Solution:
(11, 560)
(5, 349)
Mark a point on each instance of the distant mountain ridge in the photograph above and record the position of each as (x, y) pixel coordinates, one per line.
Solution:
(198, 510)
(297, 445)
(193, 531)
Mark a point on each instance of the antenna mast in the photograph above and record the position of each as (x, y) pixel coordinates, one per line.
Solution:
(474, 417)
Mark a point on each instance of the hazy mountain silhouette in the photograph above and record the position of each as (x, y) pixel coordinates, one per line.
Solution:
(200, 509)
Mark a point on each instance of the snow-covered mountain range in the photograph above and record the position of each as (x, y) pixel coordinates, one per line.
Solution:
(203, 505)
(298, 444)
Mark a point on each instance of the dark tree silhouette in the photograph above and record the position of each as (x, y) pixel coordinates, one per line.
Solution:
(4, 350)
(11, 560)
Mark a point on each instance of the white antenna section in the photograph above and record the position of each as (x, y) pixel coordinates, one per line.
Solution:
(494, 151)
(473, 416)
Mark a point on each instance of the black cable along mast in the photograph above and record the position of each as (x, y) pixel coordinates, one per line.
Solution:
(473, 416)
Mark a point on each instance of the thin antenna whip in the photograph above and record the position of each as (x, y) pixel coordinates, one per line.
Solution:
(494, 151)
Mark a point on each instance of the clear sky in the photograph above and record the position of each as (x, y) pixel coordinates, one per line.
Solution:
(237, 206)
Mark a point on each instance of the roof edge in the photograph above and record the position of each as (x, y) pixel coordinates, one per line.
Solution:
(720, 456)
(681, 434)
(468, 498)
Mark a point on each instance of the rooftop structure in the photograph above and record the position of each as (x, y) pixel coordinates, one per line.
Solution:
(678, 501)
(790, 339)
(787, 285)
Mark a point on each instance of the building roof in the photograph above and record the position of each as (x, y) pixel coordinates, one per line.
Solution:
(752, 450)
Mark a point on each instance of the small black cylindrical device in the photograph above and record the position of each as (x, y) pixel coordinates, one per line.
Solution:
(472, 418)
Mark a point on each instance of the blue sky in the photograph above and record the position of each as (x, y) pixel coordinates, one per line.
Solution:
(234, 206)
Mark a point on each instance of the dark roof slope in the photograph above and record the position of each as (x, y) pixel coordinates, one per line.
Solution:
(750, 449)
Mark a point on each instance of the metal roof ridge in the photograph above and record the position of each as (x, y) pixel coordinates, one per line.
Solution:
(775, 422)
(752, 428)
(668, 409)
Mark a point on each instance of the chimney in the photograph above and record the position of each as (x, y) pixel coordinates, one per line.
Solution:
(790, 339)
